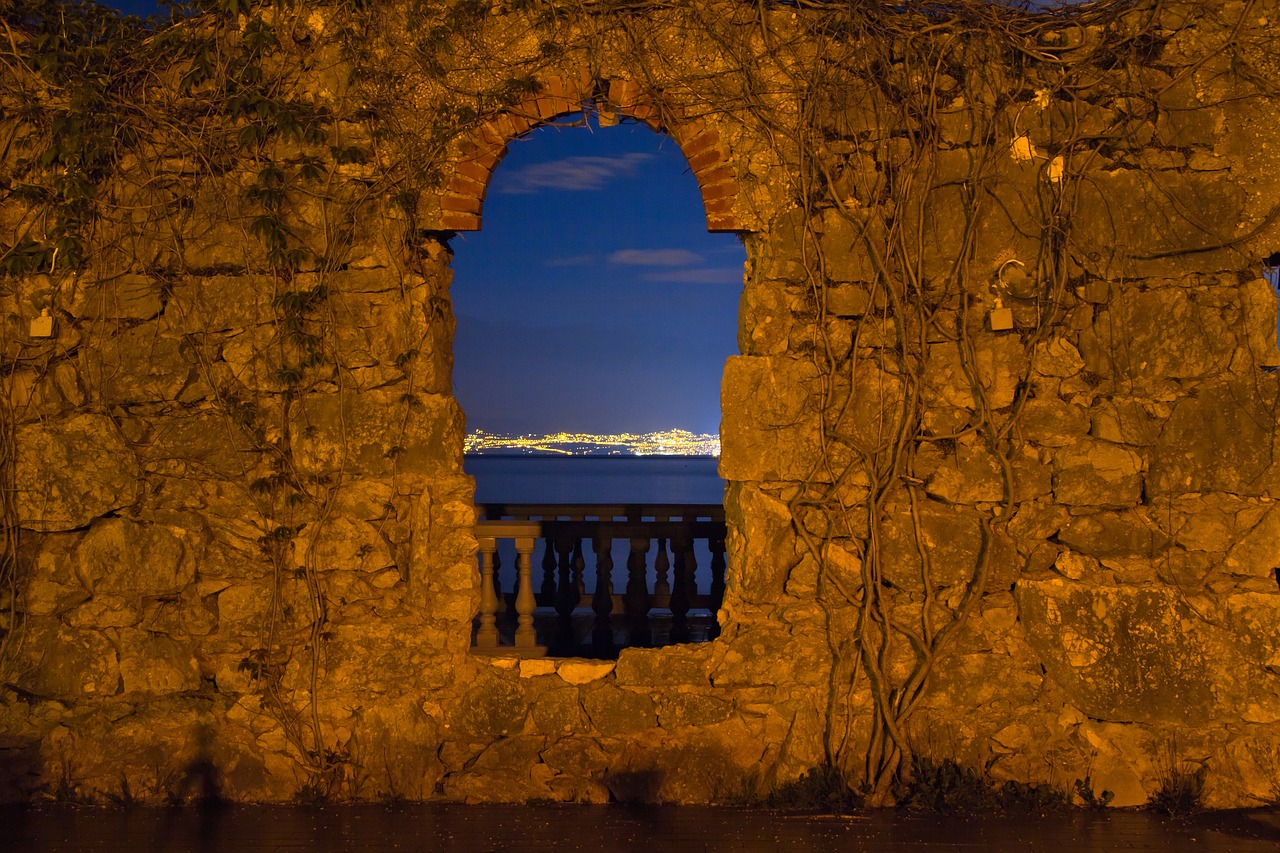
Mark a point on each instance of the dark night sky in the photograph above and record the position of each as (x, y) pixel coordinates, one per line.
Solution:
(593, 299)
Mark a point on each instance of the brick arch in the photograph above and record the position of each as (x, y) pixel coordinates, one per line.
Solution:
(478, 154)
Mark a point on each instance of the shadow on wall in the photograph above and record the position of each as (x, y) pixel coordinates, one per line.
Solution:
(201, 780)
(20, 772)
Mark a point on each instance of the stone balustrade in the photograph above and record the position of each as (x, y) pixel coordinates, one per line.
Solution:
(674, 599)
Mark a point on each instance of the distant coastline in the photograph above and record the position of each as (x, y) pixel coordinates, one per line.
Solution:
(527, 454)
(675, 443)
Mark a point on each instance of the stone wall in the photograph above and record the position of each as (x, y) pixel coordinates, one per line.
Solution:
(242, 534)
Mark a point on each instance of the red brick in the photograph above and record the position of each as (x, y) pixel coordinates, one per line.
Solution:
(484, 154)
(706, 159)
(624, 93)
(711, 177)
(719, 191)
(460, 204)
(641, 111)
(700, 143)
(687, 131)
(473, 170)
(545, 106)
(465, 186)
(510, 126)
(459, 222)
(723, 223)
(720, 205)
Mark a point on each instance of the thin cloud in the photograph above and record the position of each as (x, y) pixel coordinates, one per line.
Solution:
(570, 261)
(572, 173)
(655, 257)
(713, 275)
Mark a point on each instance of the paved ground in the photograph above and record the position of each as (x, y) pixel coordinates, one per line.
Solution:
(613, 829)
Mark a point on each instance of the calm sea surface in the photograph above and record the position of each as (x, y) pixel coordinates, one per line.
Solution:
(596, 479)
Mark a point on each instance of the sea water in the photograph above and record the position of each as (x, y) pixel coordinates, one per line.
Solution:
(596, 479)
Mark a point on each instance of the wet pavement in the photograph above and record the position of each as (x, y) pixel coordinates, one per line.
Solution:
(615, 829)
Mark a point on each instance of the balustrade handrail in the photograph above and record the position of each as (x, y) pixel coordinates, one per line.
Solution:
(563, 528)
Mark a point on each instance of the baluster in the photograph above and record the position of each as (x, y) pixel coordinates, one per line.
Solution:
(680, 595)
(690, 576)
(637, 601)
(487, 635)
(579, 566)
(661, 589)
(602, 601)
(716, 544)
(548, 591)
(566, 600)
(526, 637)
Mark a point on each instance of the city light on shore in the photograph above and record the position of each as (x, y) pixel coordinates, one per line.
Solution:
(672, 442)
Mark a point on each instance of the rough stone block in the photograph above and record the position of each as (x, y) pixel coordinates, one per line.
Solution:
(72, 471)
(1144, 338)
(377, 432)
(770, 423)
(154, 664)
(128, 558)
(615, 711)
(1097, 473)
(1220, 440)
(64, 663)
(1122, 654)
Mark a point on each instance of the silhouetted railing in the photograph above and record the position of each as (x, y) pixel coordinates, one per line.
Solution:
(548, 610)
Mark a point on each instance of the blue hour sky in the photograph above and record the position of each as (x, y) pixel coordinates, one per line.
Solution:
(594, 299)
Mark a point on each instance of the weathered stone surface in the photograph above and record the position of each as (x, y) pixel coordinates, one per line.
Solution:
(342, 543)
(584, 672)
(1057, 357)
(558, 711)
(508, 771)
(377, 432)
(1114, 534)
(1146, 337)
(765, 319)
(51, 585)
(154, 664)
(951, 537)
(1219, 440)
(1255, 555)
(1052, 422)
(1123, 421)
(996, 366)
(73, 471)
(143, 364)
(1121, 655)
(760, 531)
(679, 709)
(491, 707)
(124, 557)
(770, 429)
(683, 665)
(769, 656)
(134, 297)
(1097, 473)
(64, 663)
(221, 303)
(615, 711)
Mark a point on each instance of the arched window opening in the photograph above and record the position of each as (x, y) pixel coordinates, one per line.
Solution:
(594, 316)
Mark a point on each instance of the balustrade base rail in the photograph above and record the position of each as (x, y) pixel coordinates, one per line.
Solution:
(558, 617)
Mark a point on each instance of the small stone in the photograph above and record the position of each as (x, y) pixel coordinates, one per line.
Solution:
(584, 672)
(534, 667)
